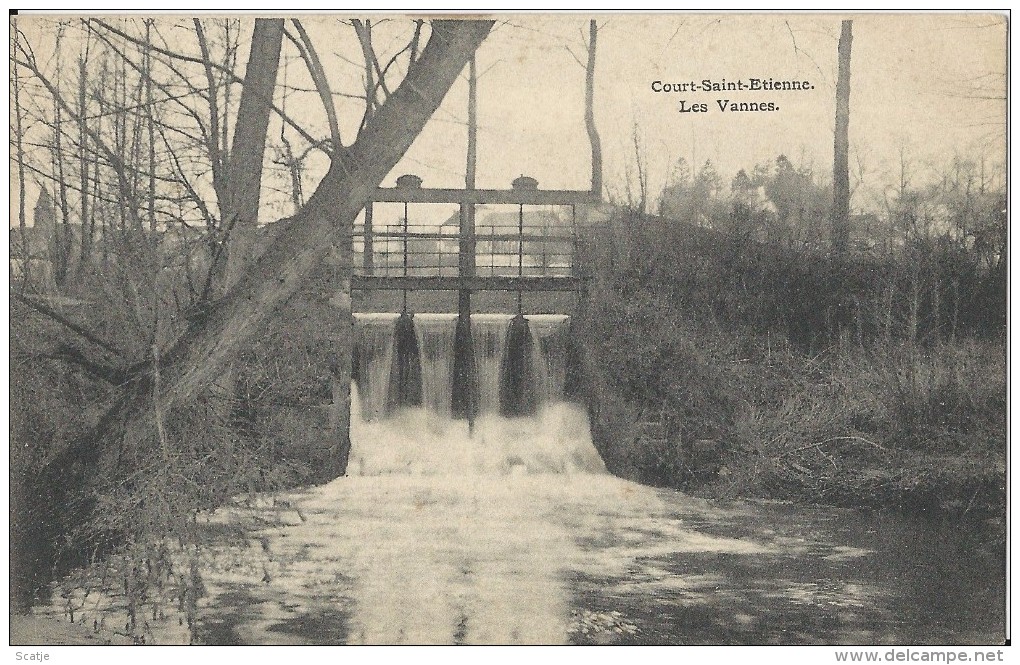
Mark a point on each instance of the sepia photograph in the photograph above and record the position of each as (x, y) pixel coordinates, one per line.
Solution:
(395, 328)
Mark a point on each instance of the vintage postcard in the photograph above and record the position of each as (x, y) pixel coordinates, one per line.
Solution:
(510, 329)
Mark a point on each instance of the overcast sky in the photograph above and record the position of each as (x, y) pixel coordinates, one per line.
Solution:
(910, 79)
(919, 82)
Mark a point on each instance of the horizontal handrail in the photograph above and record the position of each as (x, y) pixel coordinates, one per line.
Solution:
(482, 196)
(477, 283)
(532, 238)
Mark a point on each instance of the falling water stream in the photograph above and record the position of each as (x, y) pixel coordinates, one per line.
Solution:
(374, 340)
(436, 334)
(488, 335)
(425, 440)
(549, 355)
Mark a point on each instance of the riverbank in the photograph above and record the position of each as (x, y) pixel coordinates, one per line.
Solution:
(706, 410)
(735, 368)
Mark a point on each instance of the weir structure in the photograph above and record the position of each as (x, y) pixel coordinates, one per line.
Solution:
(509, 256)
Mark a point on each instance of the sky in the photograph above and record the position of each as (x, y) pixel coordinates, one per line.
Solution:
(914, 79)
(905, 73)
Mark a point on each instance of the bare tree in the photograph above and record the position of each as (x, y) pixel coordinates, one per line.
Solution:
(841, 159)
(213, 138)
(61, 245)
(19, 151)
(85, 163)
(589, 111)
(162, 384)
(298, 245)
(640, 160)
(240, 210)
(150, 128)
(591, 45)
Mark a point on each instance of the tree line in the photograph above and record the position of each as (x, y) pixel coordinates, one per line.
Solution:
(150, 143)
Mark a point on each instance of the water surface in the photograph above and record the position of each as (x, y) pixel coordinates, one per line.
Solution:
(591, 559)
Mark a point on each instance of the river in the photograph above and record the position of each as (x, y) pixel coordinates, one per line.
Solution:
(592, 559)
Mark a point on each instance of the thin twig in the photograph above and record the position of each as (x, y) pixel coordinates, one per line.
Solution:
(836, 438)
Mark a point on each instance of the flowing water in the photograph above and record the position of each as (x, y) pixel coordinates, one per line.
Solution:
(587, 558)
(549, 354)
(374, 339)
(488, 333)
(436, 334)
(513, 533)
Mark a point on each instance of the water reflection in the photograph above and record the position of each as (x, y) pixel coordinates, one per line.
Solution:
(591, 559)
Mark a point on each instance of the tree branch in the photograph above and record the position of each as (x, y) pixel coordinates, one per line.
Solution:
(231, 76)
(118, 165)
(215, 155)
(115, 376)
(67, 323)
(318, 74)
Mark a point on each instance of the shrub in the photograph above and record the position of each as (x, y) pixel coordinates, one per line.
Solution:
(858, 380)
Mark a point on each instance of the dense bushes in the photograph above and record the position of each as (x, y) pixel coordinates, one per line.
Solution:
(74, 499)
(81, 483)
(880, 427)
(745, 368)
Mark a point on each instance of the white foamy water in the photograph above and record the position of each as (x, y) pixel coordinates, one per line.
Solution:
(418, 441)
(476, 559)
(514, 559)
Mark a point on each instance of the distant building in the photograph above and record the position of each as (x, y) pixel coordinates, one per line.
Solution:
(547, 247)
(49, 251)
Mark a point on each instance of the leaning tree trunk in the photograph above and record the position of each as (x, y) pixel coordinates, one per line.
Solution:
(241, 183)
(298, 247)
(301, 242)
(841, 160)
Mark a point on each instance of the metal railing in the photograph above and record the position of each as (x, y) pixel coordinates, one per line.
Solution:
(534, 248)
(530, 244)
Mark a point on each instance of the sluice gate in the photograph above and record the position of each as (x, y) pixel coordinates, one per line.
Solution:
(508, 255)
(406, 360)
(462, 339)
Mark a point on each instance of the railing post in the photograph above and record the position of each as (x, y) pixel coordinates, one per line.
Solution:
(464, 380)
(368, 249)
(520, 256)
(404, 307)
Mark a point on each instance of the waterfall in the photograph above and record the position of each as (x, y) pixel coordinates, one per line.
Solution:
(416, 442)
(488, 334)
(374, 339)
(436, 334)
(428, 439)
(405, 377)
(549, 355)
